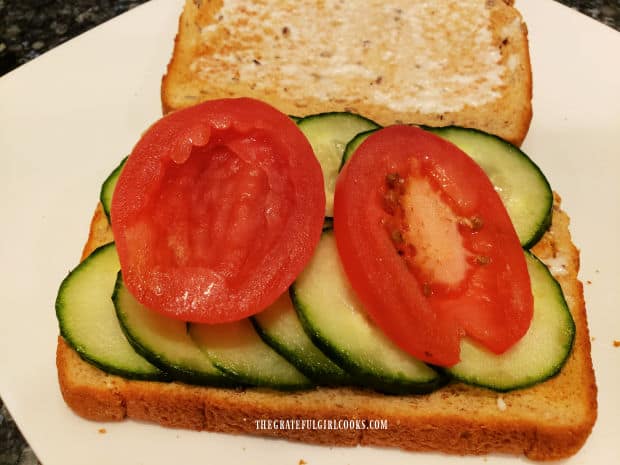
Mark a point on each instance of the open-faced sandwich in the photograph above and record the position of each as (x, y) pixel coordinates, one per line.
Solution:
(333, 237)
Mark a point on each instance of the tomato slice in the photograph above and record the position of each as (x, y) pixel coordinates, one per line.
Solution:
(428, 246)
(217, 210)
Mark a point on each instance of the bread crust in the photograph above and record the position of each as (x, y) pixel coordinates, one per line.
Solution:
(508, 116)
(548, 421)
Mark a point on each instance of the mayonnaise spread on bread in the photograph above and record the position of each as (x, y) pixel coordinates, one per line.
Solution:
(416, 55)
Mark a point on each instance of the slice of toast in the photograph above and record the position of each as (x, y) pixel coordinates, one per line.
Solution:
(437, 63)
(547, 421)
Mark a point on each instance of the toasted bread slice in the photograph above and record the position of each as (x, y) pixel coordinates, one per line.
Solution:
(435, 63)
(548, 421)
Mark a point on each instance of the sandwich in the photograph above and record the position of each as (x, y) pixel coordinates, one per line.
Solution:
(344, 105)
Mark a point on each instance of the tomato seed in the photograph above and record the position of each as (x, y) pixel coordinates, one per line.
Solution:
(482, 260)
(426, 290)
(391, 179)
(390, 202)
(475, 223)
(397, 237)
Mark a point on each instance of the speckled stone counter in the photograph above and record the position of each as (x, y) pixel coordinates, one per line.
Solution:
(29, 28)
(607, 12)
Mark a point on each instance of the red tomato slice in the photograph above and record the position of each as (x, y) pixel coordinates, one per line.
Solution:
(428, 246)
(217, 210)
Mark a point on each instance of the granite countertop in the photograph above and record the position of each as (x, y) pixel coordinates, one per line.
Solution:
(29, 28)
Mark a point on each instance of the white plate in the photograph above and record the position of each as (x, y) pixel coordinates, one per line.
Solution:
(69, 116)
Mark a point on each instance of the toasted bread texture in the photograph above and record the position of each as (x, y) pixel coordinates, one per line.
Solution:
(438, 63)
(548, 421)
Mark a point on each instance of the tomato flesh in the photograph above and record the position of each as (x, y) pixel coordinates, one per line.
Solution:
(217, 210)
(428, 246)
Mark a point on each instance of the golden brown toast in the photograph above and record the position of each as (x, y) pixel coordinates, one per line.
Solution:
(547, 421)
(438, 63)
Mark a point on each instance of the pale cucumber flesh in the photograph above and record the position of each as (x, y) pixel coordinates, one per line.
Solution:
(236, 349)
(164, 341)
(107, 189)
(539, 355)
(88, 320)
(338, 324)
(280, 327)
(328, 134)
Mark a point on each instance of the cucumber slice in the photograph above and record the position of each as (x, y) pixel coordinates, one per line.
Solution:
(237, 350)
(522, 186)
(539, 355)
(108, 186)
(280, 327)
(88, 321)
(328, 134)
(336, 322)
(353, 145)
(164, 341)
